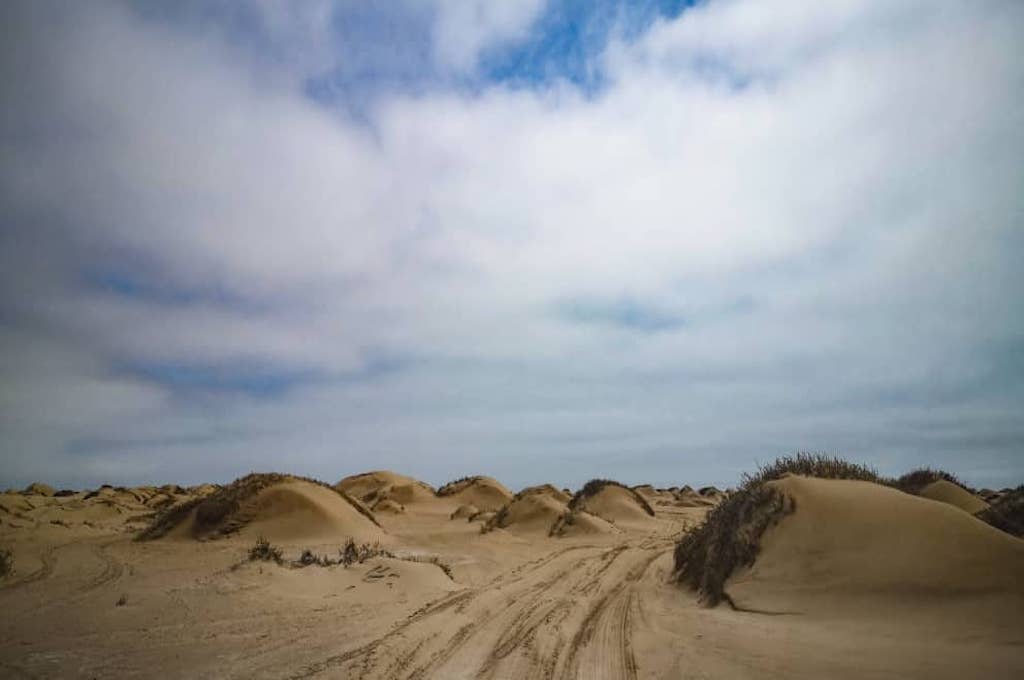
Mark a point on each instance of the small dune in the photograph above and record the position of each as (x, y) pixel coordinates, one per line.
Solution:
(532, 510)
(485, 493)
(551, 490)
(372, 487)
(39, 489)
(582, 523)
(389, 507)
(280, 507)
(465, 512)
(953, 494)
(612, 502)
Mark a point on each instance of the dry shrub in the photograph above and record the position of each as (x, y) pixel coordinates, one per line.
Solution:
(263, 551)
(6, 562)
(1007, 513)
(730, 535)
(457, 485)
(914, 481)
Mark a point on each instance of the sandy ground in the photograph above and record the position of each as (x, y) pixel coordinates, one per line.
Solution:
(87, 601)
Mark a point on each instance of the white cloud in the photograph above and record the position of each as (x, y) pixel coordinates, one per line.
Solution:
(464, 28)
(826, 195)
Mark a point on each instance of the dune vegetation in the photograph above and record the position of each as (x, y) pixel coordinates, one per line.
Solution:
(729, 538)
(218, 512)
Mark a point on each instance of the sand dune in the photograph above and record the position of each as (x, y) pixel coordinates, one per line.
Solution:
(848, 540)
(485, 493)
(532, 510)
(465, 512)
(947, 492)
(616, 504)
(279, 507)
(860, 580)
(373, 487)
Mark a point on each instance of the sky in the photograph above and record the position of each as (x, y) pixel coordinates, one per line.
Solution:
(544, 240)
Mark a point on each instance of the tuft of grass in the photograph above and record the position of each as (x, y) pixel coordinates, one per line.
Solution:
(217, 512)
(6, 562)
(1007, 512)
(914, 481)
(351, 553)
(730, 536)
(457, 485)
(263, 551)
(592, 487)
(812, 465)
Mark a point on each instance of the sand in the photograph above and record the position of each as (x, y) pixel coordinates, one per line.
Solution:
(617, 505)
(485, 493)
(856, 545)
(860, 581)
(954, 495)
(373, 487)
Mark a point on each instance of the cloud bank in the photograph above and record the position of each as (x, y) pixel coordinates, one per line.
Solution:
(330, 239)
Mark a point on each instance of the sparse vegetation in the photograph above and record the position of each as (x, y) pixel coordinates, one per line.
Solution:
(731, 533)
(812, 465)
(1007, 512)
(914, 481)
(216, 513)
(263, 551)
(6, 562)
(592, 487)
(457, 485)
(308, 558)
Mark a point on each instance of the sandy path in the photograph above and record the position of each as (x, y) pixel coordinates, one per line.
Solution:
(568, 614)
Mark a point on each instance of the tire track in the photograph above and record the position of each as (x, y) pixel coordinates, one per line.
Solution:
(602, 645)
(562, 616)
(49, 561)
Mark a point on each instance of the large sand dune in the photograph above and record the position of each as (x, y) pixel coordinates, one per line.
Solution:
(281, 508)
(851, 540)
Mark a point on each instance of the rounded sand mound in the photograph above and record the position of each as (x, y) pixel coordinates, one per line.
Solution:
(688, 498)
(485, 493)
(582, 523)
(612, 502)
(957, 496)
(846, 539)
(389, 507)
(371, 487)
(550, 490)
(533, 510)
(281, 508)
(465, 512)
(39, 489)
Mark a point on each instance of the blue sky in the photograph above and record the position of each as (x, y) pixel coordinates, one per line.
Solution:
(543, 240)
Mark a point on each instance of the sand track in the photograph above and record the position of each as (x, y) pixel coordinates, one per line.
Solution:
(569, 614)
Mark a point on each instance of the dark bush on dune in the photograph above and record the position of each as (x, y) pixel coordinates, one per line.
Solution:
(6, 562)
(592, 487)
(914, 481)
(214, 512)
(457, 485)
(1007, 513)
(264, 552)
(730, 536)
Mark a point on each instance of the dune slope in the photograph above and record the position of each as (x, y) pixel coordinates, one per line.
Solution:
(850, 539)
